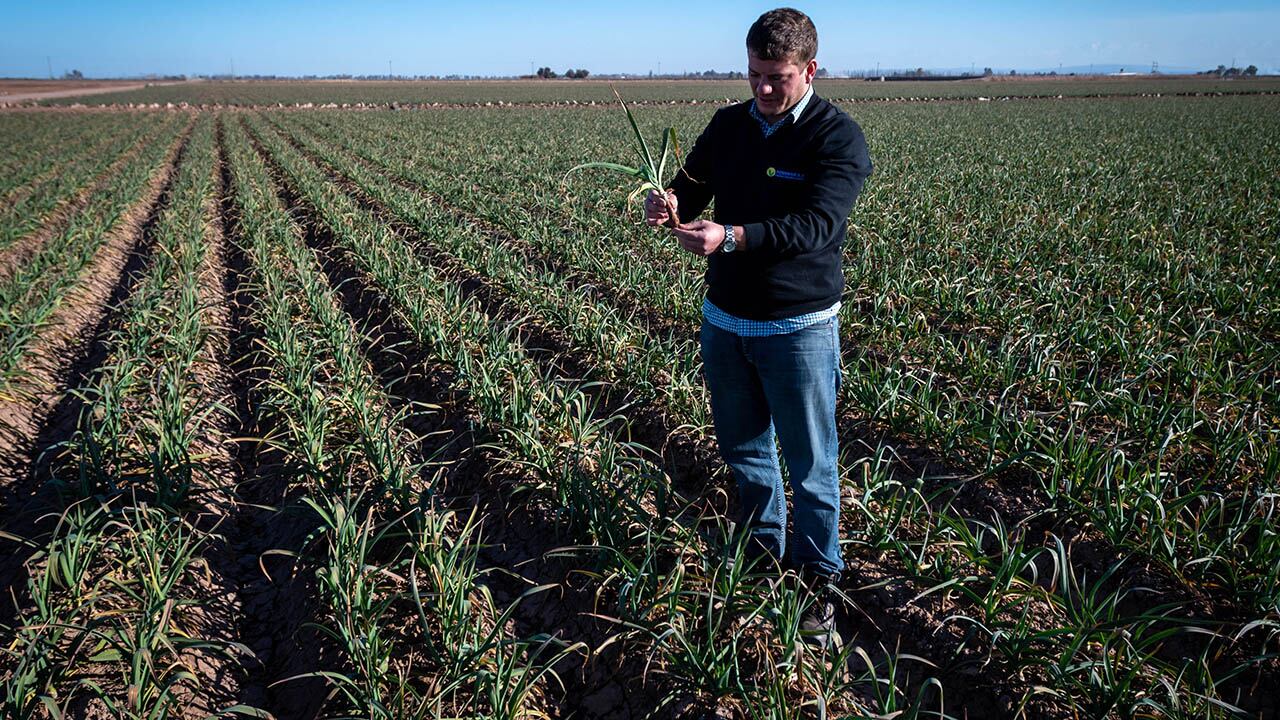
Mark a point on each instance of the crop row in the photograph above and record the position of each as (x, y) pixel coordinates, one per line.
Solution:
(923, 380)
(31, 145)
(949, 530)
(356, 461)
(114, 617)
(601, 491)
(32, 290)
(557, 335)
(63, 179)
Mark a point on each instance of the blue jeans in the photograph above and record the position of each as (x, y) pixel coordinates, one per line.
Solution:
(785, 384)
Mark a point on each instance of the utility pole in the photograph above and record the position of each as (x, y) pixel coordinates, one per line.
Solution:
(390, 75)
(233, 68)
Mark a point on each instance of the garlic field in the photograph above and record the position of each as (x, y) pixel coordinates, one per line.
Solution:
(326, 413)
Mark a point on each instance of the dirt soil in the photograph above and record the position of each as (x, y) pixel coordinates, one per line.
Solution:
(21, 91)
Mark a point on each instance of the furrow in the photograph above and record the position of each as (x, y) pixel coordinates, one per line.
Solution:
(277, 596)
(1011, 492)
(516, 538)
(881, 626)
(688, 455)
(64, 355)
(25, 248)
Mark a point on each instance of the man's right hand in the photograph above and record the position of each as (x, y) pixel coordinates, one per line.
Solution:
(655, 210)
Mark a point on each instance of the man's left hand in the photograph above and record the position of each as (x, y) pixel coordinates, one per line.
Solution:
(700, 237)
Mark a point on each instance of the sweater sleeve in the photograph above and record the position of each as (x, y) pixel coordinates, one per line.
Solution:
(837, 176)
(692, 183)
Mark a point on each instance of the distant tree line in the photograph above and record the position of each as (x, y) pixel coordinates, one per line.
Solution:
(77, 75)
(546, 73)
(1224, 71)
(711, 75)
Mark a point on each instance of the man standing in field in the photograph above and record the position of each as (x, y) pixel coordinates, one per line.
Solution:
(784, 169)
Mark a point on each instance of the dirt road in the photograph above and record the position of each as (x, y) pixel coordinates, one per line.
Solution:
(17, 92)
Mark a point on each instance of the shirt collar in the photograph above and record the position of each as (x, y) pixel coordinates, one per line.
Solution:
(800, 106)
(793, 113)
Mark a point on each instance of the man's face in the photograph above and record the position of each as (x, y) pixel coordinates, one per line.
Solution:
(778, 84)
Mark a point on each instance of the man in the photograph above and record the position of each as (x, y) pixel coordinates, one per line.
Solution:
(784, 169)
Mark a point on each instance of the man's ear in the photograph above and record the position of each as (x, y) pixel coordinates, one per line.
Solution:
(810, 70)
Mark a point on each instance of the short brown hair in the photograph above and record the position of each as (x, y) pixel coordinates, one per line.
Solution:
(783, 34)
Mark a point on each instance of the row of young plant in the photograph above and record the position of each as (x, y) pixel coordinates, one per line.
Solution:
(622, 351)
(31, 148)
(922, 381)
(894, 392)
(962, 571)
(502, 162)
(498, 190)
(112, 620)
(666, 585)
(32, 291)
(147, 417)
(408, 606)
(530, 287)
(983, 561)
(30, 145)
(108, 626)
(61, 173)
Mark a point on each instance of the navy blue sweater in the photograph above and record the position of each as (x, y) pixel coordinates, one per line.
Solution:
(791, 192)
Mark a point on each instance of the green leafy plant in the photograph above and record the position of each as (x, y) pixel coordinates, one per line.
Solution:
(648, 172)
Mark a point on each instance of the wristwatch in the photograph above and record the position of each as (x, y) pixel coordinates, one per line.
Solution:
(730, 242)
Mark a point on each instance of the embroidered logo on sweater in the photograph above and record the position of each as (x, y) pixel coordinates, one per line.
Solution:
(784, 174)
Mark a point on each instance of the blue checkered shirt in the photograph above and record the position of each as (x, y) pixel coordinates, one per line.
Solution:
(763, 328)
(793, 114)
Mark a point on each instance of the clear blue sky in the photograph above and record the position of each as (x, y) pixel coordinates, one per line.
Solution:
(107, 38)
